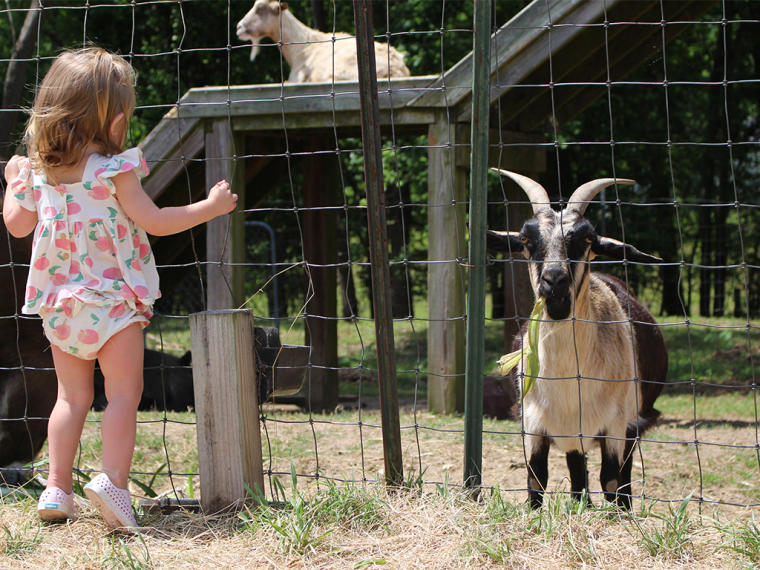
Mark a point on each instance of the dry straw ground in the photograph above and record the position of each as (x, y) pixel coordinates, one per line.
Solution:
(360, 525)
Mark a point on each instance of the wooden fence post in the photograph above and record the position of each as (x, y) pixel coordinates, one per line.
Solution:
(225, 235)
(447, 229)
(226, 406)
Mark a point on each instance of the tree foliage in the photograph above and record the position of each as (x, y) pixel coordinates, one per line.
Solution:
(686, 128)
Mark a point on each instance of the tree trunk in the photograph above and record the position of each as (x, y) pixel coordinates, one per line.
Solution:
(707, 229)
(705, 273)
(349, 301)
(318, 15)
(725, 194)
(13, 87)
(672, 292)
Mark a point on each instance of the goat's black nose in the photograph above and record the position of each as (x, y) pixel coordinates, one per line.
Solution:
(555, 282)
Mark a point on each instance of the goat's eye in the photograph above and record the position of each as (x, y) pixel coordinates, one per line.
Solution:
(524, 239)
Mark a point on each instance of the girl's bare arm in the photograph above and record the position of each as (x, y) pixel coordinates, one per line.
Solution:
(171, 219)
(19, 221)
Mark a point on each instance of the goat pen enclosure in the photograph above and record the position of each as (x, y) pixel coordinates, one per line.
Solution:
(662, 92)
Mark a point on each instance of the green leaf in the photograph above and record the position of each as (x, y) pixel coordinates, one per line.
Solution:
(532, 364)
(509, 361)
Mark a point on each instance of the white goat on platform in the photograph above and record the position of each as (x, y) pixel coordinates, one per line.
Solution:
(312, 55)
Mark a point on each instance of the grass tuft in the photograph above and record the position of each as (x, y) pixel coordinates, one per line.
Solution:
(21, 540)
(672, 538)
(744, 540)
(132, 554)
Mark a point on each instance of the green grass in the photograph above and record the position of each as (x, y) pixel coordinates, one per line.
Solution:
(718, 353)
(669, 535)
(714, 352)
(717, 405)
(21, 539)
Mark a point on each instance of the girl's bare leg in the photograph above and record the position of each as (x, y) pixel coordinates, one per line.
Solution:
(121, 360)
(75, 393)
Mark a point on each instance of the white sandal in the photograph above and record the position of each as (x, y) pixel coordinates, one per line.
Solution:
(112, 502)
(55, 505)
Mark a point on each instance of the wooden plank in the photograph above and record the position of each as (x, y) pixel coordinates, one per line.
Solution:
(320, 251)
(521, 62)
(167, 136)
(254, 100)
(166, 170)
(513, 38)
(225, 235)
(447, 191)
(224, 382)
(328, 120)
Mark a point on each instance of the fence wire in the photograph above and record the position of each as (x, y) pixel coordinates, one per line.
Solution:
(585, 99)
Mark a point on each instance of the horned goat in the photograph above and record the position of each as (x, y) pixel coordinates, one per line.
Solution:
(312, 55)
(602, 357)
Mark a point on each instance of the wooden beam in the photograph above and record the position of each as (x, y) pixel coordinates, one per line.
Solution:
(519, 60)
(326, 119)
(225, 235)
(590, 57)
(320, 251)
(168, 168)
(226, 404)
(447, 191)
(295, 98)
(514, 38)
(165, 137)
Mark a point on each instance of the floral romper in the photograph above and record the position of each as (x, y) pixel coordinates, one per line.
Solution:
(92, 271)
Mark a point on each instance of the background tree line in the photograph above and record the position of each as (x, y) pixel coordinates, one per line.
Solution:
(696, 138)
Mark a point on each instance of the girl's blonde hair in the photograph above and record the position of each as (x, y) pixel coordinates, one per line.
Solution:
(76, 103)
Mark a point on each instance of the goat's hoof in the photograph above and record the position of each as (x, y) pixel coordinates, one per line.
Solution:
(535, 500)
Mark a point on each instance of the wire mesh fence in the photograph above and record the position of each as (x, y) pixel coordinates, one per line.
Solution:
(664, 93)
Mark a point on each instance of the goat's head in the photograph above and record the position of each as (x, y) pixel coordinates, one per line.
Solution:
(561, 243)
(261, 21)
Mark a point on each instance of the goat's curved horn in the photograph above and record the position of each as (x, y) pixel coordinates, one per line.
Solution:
(536, 193)
(586, 192)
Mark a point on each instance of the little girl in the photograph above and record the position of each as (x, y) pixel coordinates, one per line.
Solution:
(92, 276)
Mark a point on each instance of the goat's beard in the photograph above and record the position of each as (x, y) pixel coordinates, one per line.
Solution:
(255, 47)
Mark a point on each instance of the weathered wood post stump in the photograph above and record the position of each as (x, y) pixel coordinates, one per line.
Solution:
(226, 405)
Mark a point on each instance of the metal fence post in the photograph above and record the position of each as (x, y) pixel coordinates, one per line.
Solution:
(473, 402)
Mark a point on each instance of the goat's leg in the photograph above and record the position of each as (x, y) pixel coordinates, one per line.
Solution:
(538, 471)
(624, 489)
(615, 484)
(576, 464)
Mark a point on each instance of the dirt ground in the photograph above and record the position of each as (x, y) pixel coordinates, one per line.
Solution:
(716, 462)
(435, 527)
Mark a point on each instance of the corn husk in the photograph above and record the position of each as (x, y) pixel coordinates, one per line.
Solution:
(532, 365)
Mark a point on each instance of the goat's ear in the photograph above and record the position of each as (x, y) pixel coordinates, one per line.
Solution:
(615, 249)
(508, 242)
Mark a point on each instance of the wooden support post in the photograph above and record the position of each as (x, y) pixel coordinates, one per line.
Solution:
(378, 244)
(447, 185)
(226, 405)
(320, 251)
(518, 295)
(225, 235)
